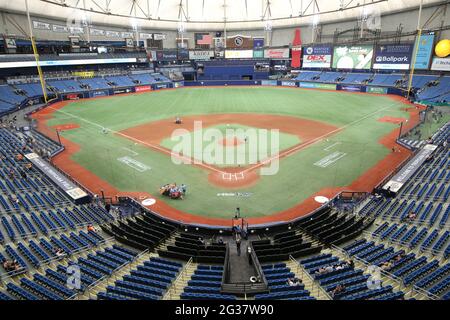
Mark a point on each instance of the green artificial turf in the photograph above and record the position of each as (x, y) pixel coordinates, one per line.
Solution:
(134, 167)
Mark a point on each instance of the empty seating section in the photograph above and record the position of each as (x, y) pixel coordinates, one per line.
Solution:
(149, 281)
(205, 284)
(389, 80)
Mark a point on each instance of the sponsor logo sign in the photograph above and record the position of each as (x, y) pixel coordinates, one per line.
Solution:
(171, 55)
(282, 53)
(353, 57)
(397, 182)
(98, 93)
(119, 91)
(41, 25)
(201, 55)
(441, 64)
(58, 178)
(269, 82)
(317, 57)
(393, 57)
(238, 54)
(312, 85)
(378, 90)
(351, 88)
(424, 49)
(60, 29)
(142, 88)
(288, 83)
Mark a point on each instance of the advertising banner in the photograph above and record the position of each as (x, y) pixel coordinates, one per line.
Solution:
(441, 64)
(288, 83)
(60, 29)
(46, 63)
(183, 54)
(296, 59)
(119, 91)
(397, 181)
(96, 32)
(269, 82)
(161, 86)
(317, 57)
(378, 90)
(424, 49)
(201, 55)
(142, 88)
(282, 53)
(73, 96)
(393, 56)
(98, 93)
(159, 36)
(258, 53)
(351, 88)
(313, 85)
(238, 54)
(72, 190)
(126, 34)
(353, 57)
(258, 43)
(41, 25)
(170, 55)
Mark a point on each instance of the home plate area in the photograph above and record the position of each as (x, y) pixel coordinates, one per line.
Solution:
(233, 176)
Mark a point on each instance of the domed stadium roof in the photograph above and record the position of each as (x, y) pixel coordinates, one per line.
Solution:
(209, 14)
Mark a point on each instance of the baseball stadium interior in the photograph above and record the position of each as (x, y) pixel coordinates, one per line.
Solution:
(348, 201)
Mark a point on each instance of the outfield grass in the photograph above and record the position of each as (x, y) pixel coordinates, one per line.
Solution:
(356, 146)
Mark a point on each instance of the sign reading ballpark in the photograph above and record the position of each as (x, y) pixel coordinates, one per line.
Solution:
(47, 63)
(393, 57)
(317, 57)
(353, 57)
(424, 50)
(72, 190)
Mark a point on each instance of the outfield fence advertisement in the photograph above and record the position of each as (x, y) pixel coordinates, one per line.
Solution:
(393, 57)
(378, 90)
(353, 57)
(142, 88)
(424, 49)
(288, 83)
(312, 85)
(98, 93)
(269, 82)
(351, 88)
(317, 57)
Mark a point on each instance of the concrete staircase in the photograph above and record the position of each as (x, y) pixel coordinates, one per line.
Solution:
(312, 286)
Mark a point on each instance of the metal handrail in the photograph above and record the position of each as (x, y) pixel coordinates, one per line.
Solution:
(316, 286)
(181, 275)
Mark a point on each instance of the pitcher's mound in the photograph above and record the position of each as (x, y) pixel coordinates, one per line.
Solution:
(230, 142)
